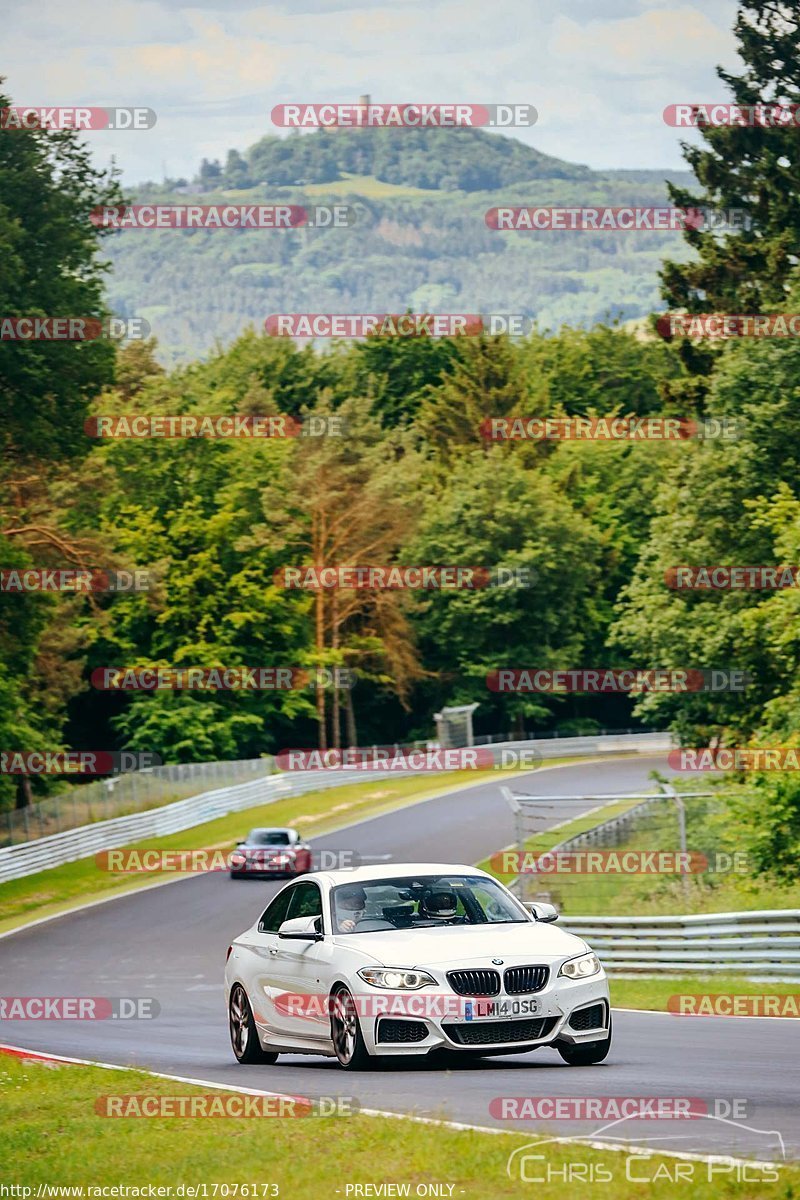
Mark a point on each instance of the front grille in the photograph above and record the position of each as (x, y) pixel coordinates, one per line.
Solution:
(474, 983)
(589, 1018)
(517, 980)
(486, 1033)
(401, 1031)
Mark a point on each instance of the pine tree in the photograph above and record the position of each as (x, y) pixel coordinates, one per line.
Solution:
(751, 167)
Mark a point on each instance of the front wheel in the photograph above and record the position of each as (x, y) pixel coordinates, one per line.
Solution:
(348, 1041)
(244, 1035)
(587, 1054)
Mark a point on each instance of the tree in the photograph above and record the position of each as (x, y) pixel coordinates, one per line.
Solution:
(51, 268)
(747, 167)
(490, 511)
(347, 501)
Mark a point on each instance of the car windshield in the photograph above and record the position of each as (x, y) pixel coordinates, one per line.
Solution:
(268, 837)
(422, 901)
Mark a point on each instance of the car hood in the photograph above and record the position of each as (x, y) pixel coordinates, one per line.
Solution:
(453, 947)
(272, 849)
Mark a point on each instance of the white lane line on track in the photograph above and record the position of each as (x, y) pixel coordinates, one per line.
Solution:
(649, 1151)
(68, 912)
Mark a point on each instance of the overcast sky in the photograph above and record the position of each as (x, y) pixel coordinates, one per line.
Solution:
(600, 72)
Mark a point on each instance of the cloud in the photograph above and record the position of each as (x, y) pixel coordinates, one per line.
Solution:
(600, 75)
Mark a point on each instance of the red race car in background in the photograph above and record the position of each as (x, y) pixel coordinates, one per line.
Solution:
(270, 852)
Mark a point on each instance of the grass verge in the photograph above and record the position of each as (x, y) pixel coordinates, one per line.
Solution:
(654, 993)
(51, 1134)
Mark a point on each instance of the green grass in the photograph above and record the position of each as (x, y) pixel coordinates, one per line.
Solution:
(51, 1134)
(654, 993)
(369, 186)
(60, 888)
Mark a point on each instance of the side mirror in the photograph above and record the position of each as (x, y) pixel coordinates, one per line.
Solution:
(542, 911)
(302, 929)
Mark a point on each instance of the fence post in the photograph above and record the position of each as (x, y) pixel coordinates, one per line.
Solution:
(681, 807)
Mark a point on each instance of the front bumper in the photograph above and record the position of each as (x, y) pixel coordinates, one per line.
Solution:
(562, 1014)
(260, 869)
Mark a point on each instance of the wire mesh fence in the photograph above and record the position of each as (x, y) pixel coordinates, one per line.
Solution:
(116, 796)
(635, 853)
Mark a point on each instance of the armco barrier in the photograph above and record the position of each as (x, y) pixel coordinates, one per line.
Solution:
(752, 943)
(87, 840)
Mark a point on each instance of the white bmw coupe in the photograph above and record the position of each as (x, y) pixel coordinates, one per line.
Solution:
(411, 959)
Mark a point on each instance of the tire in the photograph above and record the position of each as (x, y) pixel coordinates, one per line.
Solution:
(236, 874)
(242, 1026)
(587, 1054)
(348, 1041)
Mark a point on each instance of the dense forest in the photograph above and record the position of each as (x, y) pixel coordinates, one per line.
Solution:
(411, 480)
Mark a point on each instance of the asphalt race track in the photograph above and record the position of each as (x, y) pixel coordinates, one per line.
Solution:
(170, 942)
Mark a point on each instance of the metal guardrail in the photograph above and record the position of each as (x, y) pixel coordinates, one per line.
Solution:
(29, 857)
(119, 795)
(762, 942)
(612, 743)
(88, 840)
(487, 739)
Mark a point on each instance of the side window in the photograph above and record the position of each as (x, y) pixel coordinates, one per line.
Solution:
(275, 914)
(306, 901)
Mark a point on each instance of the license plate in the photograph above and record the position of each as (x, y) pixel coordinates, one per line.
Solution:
(499, 1010)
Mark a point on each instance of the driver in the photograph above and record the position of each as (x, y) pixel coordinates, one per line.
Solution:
(350, 905)
(438, 903)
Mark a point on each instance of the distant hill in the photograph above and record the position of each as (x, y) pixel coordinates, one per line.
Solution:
(420, 241)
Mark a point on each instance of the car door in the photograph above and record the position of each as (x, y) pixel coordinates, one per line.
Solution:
(299, 971)
(262, 949)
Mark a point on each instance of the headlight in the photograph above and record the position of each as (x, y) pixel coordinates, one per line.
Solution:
(396, 978)
(582, 967)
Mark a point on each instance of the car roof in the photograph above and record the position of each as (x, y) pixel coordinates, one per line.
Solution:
(273, 829)
(394, 870)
